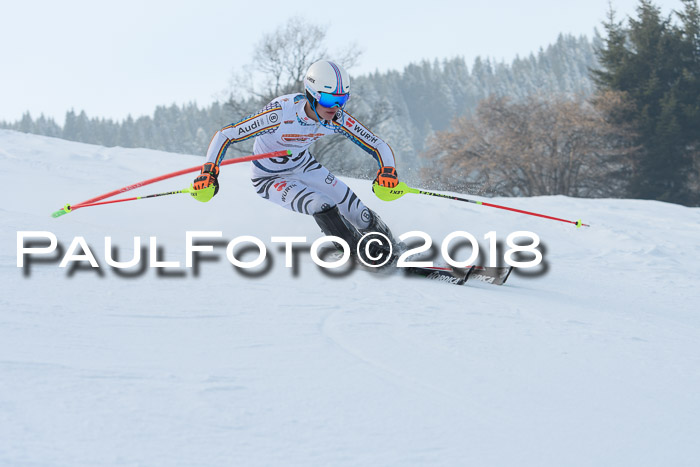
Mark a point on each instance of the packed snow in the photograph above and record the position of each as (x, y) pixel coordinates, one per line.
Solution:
(590, 359)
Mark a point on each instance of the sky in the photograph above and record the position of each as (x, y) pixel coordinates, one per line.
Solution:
(114, 59)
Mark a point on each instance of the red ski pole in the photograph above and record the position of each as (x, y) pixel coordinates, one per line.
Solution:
(390, 194)
(68, 208)
(135, 198)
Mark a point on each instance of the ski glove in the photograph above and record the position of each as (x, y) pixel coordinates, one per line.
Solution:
(207, 178)
(386, 176)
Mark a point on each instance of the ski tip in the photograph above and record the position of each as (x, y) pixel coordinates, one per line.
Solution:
(579, 224)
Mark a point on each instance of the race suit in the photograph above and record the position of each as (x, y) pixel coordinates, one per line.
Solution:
(298, 182)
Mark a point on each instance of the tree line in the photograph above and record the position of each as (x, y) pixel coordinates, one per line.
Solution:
(636, 136)
(616, 116)
(404, 107)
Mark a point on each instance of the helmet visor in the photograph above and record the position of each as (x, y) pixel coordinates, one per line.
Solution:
(333, 100)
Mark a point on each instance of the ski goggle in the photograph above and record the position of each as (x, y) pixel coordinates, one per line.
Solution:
(333, 100)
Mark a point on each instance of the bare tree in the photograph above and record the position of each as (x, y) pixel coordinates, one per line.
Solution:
(538, 146)
(279, 63)
(281, 58)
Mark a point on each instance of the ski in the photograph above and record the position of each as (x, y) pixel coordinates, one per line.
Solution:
(458, 276)
(446, 273)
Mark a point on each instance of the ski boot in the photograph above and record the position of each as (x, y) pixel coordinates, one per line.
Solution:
(333, 223)
(377, 225)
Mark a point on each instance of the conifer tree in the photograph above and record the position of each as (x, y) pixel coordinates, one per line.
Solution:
(651, 61)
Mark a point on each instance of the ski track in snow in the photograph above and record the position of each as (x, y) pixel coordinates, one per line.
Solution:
(593, 363)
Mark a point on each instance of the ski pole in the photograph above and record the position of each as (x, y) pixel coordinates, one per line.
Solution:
(84, 205)
(68, 207)
(390, 194)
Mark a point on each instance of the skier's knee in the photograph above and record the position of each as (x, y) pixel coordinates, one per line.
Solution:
(333, 223)
(320, 204)
(376, 224)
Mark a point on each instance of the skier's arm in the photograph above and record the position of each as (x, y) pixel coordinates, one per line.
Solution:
(372, 144)
(265, 121)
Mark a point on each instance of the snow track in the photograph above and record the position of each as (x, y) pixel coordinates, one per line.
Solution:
(594, 362)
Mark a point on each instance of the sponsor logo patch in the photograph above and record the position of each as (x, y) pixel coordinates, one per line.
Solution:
(481, 277)
(443, 278)
(294, 138)
(286, 192)
(366, 135)
(257, 123)
(366, 215)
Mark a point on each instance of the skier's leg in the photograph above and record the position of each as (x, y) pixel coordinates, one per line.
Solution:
(314, 190)
(291, 193)
(371, 252)
(349, 204)
(333, 223)
(295, 195)
(376, 224)
(320, 179)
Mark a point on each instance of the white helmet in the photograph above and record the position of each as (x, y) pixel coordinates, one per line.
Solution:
(327, 84)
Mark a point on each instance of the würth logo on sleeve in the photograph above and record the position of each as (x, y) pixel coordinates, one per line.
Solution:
(366, 135)
(349, 122)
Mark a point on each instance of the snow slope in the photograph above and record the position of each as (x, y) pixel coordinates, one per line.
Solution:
(595, 362)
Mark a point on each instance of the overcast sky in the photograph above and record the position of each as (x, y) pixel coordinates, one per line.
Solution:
(112, 59)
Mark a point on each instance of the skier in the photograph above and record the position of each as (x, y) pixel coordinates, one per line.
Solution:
(298, 182)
